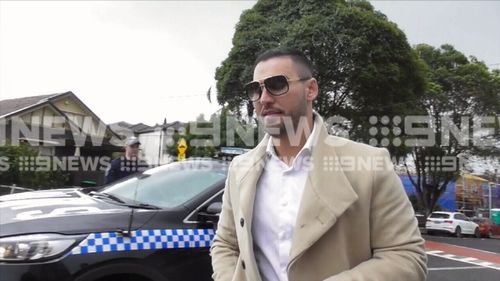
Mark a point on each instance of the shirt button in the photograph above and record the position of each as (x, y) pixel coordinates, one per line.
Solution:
(243, 264)
(242, 222)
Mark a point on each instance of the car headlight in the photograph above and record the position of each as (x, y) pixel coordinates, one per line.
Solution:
(35, 247)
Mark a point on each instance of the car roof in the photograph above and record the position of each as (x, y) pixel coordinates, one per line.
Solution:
(447, 213)
(195, 164)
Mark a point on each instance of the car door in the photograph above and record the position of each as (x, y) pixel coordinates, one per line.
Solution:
(462, 223)
(471, 225)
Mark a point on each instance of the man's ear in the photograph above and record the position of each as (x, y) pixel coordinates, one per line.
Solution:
(312, 89)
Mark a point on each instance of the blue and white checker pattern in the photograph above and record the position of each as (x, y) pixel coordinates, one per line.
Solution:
(145, 240)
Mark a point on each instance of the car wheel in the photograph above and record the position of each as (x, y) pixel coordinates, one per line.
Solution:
(477, 234)
(490, 234)
(458, 232)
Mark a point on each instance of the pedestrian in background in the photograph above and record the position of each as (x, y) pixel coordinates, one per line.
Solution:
(128, 164)
(294, 209)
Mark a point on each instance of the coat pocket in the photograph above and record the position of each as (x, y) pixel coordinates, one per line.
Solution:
(239, 272)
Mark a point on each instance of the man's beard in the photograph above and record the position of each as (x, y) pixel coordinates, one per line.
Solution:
(291, 127)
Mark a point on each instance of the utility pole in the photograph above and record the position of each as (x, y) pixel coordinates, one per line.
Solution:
(463, 191)
(160, 145)
(489, 199)
(495, 179)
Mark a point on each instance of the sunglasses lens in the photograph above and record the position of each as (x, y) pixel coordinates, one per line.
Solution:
(253, 90)
(276, 85)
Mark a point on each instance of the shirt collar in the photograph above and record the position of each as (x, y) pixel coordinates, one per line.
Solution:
(306, 149)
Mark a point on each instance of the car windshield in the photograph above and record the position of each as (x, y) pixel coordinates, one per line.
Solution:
(168, 186)
(439, 216)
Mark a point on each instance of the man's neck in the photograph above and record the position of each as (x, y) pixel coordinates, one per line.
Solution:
(287, 148)
(128, 157)
(285, 151)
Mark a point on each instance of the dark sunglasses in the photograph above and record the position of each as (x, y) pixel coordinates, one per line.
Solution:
(276, 85)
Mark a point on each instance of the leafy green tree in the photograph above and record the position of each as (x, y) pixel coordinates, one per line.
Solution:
(205, 149)
(363, 62)
(235, 132)
(28, 176)
(459, 91)
(223, 130)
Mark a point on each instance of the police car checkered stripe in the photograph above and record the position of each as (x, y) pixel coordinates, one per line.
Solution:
(145, 240)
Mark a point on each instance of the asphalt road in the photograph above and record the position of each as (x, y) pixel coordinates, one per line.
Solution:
(485, 244)
(477, 259)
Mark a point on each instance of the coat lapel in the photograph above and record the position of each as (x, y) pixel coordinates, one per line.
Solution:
(250, 174)
(250, 170)
(326, 196)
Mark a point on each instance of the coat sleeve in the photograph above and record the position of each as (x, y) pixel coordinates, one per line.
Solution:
(111, 172)
(225, 250)
(397, 246)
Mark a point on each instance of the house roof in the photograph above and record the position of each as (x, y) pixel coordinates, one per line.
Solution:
(141, 128)
(19, 105)
(13, 105)
(137, 128)
(126, 128)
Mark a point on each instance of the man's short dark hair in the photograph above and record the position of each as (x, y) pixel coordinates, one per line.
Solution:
(299, 58)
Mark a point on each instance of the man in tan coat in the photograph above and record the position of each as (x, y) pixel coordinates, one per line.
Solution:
(306, 206)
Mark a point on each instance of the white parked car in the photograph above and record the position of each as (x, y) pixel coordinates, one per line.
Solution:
(452, 223)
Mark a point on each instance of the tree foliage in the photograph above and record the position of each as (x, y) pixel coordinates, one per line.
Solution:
(365, 67)
(13, 159)
(459, 92)
(363, 62)
(206, 137)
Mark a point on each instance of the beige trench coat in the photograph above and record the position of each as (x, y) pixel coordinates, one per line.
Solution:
(355, 221)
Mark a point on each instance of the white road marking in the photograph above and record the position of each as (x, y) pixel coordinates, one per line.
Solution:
(470, 259)
(434, 252)
(453, 268)
(464, 259)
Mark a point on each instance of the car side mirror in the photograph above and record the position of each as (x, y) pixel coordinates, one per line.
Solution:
(214, 208)
(211, 214)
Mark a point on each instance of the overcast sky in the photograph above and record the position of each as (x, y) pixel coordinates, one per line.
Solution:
(144, 61)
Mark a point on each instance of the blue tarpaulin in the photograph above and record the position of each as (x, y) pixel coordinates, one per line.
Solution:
(447, 199)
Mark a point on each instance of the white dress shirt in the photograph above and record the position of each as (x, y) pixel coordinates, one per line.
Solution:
(277, 201)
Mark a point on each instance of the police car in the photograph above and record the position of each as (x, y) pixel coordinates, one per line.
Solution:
(154, 226)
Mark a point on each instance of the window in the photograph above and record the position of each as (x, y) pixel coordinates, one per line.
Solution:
(439, 216)
(166, 187)
(176, 187)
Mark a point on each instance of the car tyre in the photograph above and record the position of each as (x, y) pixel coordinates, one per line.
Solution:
(458, 232)
(477, 233)
(490, 234)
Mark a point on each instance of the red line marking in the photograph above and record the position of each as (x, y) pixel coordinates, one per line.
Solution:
(463, 251)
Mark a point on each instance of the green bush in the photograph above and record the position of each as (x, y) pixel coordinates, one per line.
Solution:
(13, 169)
